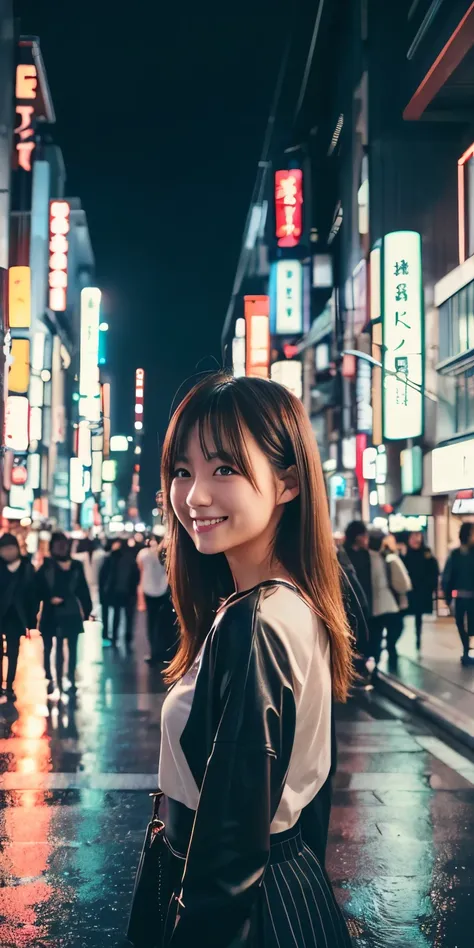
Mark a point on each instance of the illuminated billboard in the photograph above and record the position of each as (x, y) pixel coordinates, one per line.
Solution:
(403, 336)
(19, 372)
(139, 387)
(16, 423)
(19, 297)
(25, 94)
(289, 207)
(257, 335)
(289, 297)
(89, 358)
(59, 213)
(289, 372)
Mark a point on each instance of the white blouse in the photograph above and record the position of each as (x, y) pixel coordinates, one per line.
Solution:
(307, 645)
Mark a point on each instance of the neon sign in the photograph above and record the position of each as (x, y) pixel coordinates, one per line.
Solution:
(25, 92)
(89, 391)
(257, 335)
(139, 385)
(59, 212)
(289, 207)
(403, 336)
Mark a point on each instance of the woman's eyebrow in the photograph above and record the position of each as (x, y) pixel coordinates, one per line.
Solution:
(181, 459)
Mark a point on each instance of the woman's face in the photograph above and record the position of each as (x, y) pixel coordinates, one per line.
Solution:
(220, 509)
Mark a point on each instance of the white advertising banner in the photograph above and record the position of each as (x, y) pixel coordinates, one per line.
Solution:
(453, 467)
(403, 336)
(289, 297)
(89, 367)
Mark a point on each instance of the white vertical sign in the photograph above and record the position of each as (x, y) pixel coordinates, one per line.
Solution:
(89, 369)
(402, 336)
(289, 297)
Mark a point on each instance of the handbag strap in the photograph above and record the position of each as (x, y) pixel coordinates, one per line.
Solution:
(157, 798)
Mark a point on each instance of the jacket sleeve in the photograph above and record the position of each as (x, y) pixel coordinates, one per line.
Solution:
(399, 576)
(242, 786)
(82, 591)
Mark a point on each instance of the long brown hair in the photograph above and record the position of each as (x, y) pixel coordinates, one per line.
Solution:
(224, 408)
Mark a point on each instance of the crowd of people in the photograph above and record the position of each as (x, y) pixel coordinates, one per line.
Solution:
(77, 581)
(396, 578)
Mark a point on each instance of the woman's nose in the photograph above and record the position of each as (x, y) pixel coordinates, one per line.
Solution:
(199, 494)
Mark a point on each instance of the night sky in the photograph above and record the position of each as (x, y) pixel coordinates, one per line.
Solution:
(161, 116)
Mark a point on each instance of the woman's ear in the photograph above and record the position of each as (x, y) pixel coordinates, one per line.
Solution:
(288, 486)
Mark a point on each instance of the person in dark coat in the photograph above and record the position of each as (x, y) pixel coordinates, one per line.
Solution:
(110, 547)
(66, 605)
(18, 603)
(423, 570)
(120, 577)
(458, 584)
(357, 610)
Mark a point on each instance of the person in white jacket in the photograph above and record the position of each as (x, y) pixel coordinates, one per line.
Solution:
(390, 585)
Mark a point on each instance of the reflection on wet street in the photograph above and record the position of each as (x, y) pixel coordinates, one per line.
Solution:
(74, 784)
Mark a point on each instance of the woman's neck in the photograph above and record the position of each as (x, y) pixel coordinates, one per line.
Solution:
(248, 572)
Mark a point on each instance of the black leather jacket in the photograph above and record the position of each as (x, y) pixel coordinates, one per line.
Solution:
(237, 742)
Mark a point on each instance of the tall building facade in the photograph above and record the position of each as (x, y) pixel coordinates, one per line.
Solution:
(48, 265)
(379, 146)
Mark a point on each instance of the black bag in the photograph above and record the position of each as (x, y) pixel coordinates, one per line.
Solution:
(151, 893)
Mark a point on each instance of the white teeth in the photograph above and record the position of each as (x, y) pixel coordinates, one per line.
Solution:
(208, 523)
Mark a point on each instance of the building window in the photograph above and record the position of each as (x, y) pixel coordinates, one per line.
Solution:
(466, 204)
(465, 401)
(456, 324)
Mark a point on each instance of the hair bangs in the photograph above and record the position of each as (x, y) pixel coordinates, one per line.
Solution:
(221, 427)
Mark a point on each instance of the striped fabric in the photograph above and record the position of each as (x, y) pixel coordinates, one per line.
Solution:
(299, 909)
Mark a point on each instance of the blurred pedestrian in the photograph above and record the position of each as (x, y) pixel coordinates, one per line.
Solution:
(119, 585)
(458, 584)
(109, 547)
(66, 604)
(18, 604)
(423, 570)
(400, 585)
(357, 611)
(154, 584)
(356, 546)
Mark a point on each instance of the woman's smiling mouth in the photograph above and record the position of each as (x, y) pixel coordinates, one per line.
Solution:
(204, 526)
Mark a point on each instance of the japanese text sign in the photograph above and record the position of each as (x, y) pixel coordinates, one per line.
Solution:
(289, 297)
(403, 336)
(25, 95)
(289, 207)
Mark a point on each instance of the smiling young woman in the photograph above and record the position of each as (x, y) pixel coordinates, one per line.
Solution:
(247, 738)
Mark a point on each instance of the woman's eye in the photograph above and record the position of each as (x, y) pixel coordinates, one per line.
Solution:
(181, 472)
(224, 470)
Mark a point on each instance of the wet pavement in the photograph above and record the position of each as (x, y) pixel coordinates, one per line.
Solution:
(435, 673)
(74, 784)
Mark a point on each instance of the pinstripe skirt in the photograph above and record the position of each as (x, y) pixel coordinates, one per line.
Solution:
(298, 908)
(296, 904)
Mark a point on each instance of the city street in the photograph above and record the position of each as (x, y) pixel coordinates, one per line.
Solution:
(74, 789)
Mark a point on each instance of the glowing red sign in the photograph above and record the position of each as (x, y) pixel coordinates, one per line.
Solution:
(257, 335)
(25, 93)
(289, 207)
(59, 212)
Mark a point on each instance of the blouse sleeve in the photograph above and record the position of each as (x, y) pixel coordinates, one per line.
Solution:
(243, 782)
